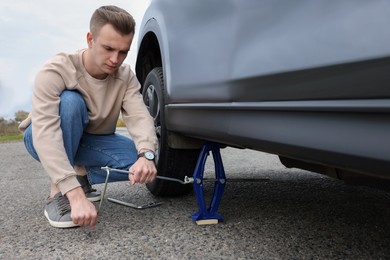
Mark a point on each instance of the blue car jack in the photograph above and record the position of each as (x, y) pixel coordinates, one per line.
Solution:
(208, 215)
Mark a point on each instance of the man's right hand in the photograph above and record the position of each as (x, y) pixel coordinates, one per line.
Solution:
(83, 212)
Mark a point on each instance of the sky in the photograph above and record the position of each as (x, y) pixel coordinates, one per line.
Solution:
(34, 31)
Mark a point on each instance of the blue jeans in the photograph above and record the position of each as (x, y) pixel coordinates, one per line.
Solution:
(91, 151)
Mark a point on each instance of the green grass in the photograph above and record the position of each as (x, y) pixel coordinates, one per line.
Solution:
(9, 138)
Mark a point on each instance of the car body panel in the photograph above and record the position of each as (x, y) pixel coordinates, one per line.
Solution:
(215, 42)
(308, 80)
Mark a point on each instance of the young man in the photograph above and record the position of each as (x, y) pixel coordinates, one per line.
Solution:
(76, 102)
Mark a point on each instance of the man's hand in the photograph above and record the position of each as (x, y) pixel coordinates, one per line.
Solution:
(83, 212)
(144, 171)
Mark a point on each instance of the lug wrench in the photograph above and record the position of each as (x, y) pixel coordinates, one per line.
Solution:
(187, 180)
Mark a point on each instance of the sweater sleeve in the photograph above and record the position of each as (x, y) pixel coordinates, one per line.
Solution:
(46, 130)
(137, 118)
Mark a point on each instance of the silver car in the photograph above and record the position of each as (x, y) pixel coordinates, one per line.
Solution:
(306, 80)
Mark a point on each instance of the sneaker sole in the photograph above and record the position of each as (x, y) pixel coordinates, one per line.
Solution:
(94, 199)
(57, 224)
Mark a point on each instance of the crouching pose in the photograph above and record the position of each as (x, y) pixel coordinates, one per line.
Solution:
(77, 99)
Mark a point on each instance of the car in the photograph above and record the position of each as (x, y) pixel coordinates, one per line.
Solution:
(308, 81)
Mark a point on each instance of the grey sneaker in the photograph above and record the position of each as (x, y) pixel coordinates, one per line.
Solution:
(90, 193)
(57, 211)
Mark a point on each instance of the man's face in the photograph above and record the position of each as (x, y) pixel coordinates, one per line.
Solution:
(108, 50)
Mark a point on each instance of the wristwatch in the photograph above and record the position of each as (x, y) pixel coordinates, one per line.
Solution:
(148, 155)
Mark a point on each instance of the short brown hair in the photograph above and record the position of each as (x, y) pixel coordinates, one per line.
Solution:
(119, 18)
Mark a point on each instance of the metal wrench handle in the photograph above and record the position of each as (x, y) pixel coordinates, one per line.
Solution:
(187, 180)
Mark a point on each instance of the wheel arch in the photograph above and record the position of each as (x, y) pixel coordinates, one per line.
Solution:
(150, 50)
(148, 57)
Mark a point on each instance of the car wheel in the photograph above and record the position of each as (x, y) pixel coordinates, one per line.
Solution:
(174, 163)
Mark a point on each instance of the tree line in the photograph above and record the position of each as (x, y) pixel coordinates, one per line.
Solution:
(10, 127)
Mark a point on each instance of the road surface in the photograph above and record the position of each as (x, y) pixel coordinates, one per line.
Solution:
(295, 215)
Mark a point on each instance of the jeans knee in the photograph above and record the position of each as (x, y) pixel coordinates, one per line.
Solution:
(28, 143)
(72, 106)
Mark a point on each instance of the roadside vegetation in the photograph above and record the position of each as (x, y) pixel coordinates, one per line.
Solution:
(9, 128)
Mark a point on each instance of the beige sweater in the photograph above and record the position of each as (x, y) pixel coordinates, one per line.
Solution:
(104, 99)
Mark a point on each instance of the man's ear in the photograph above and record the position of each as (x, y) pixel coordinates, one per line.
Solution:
(89, 39)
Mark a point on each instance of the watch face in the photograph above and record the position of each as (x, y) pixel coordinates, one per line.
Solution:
(149, 155)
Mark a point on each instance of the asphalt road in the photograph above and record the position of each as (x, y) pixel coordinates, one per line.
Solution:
(295, 215)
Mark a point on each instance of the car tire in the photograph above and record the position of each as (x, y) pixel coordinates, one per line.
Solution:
(174, 163)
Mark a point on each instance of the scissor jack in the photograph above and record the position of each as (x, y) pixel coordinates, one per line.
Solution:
(204, 215)
(209, 215)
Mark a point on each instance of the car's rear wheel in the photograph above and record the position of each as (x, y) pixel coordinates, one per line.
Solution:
(175, 163)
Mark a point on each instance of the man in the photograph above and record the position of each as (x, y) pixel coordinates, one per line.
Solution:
(77, 99)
